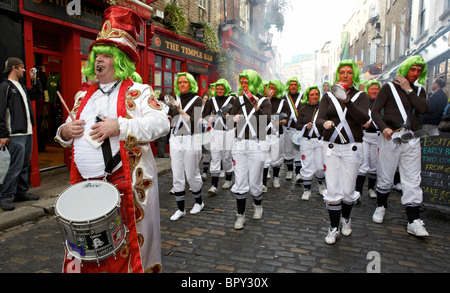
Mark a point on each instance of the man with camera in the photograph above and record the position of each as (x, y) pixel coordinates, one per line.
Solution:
(16, 131)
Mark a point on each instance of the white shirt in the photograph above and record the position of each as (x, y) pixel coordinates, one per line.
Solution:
(89, 160)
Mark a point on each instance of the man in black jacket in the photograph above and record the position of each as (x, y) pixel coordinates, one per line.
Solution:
(436, 105)
(16, 131)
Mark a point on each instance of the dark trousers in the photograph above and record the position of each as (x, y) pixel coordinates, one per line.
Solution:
(161, 145)
(16, 179)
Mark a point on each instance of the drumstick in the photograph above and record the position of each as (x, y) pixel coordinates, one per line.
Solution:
(65, 105)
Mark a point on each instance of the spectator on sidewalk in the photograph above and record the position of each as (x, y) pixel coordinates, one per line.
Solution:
(16, 131)
(436, 105)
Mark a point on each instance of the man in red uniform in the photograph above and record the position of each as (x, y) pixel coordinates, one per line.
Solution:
(126, 115)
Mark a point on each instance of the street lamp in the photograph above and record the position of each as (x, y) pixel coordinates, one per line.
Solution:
(377, 40)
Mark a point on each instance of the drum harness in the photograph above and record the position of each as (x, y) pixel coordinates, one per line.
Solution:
(247, 117)
(220, 112)
(343, 123)
(293, 107)
(276, 117)
(407, 119)
(180, 119)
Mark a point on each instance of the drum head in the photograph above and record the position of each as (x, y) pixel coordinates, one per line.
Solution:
(296, 137)
(339, 92)
(87, 201)
(206, 137)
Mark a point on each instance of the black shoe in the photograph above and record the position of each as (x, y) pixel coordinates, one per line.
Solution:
(7, 205)
(163, 156)
(26, 196)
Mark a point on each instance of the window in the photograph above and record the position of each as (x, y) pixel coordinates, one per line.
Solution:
(373, 52)
(84, 50)
(393, 32)
(386, 47)
(244, 14)
(423, 22)
(374, 9)
(403, 34)
(166, 69)
(202, 10)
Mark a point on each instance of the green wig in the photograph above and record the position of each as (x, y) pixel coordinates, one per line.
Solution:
(211, 92)
(124, 67)
(223, 82)
(136, 77)
(349, 62)
(279, 86)
(371, 83)
(192, 82)
(289, 81)
(403, 69)
(255, 85)
(324, 83)
(306, 94)
(363, 82)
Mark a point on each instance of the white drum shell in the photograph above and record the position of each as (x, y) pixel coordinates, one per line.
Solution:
(339, 92)
(89, 216)
(296, 137)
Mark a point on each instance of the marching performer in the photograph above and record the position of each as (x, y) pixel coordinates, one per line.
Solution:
(342, 122)
(185, 151)
(396, 113)
(325, 87)
(251, 112)
(222, 138)
(130, 118)
(206, 154)
(370, 146)
(310, 142)
(274, 144)
(291, 151)
(212, 89)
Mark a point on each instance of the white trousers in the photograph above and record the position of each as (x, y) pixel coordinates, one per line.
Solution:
(273, 148)
(221, 146)
(407, 156)
(370, 147)
(184, 161)
(248, 168)
(312, 162)
(341, 165)
(291, 151)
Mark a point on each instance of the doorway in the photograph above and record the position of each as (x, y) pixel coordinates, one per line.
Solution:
(49, 115)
